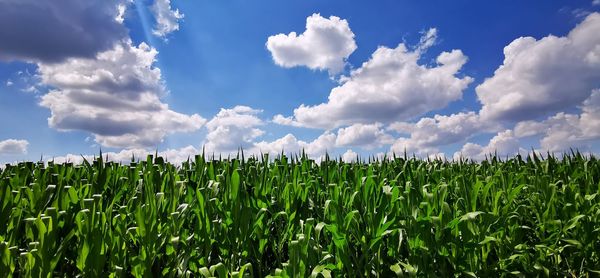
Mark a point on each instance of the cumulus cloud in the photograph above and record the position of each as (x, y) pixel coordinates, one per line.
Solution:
(545, 76)
(290, 144)
(282, 120)
(9, 83)
(564, 131)
(115, 96)
(167, 19)
(121, 9)
(504, 144)
(529, 128)
(349, 156)
(175, 156)
(13, 146)
(391, 86)
(408, 146)
(51, 31)
(241, 127)
(428, 134)
(232, 129)
(367, 136)
(325, 45)
(428, 39)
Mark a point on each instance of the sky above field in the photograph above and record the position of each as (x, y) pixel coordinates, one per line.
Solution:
(367, 78)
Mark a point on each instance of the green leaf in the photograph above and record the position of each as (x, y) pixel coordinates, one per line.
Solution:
(235, 184)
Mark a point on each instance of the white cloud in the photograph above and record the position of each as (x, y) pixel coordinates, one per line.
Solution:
(281, 120)
(428, 39)
(529, 128)
(542, 77)
(232, 129)
(401, 127)
(437, 156)
(175, 156)
(51, 31)
(558, 134)
(349, 156)
(13, 146)
(504, 144)
(30, 89)
(121, 9)
(324, 45)
(240, 127)
(408, 146)
(367, 136)
(428, 134)
(167, 20)
(563, 131)
(115, 96)
(391, 86)
(290, 144)
(9, 83)
(596, 2)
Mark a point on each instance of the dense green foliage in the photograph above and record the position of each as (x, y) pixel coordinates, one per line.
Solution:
(296, 217)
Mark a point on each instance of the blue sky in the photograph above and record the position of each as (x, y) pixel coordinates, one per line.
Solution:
(358, 78)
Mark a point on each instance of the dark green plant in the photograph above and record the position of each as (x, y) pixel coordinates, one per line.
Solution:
(295, 217)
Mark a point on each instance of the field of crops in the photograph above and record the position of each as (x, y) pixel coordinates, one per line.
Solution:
(294, 217)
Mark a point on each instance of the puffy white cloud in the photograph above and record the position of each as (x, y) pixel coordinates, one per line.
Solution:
(504, 144)
(232, 129)
(290, 144)
(590, 118)
(428, 134)
(324, 45)
(13, 146)
(175, 156)
(559, 133)
(51, 31)
(391, 86)
(542, 77)
(115, 96)
(9, 83)
(406, 145)
(563, 131)
(529, 128)
(240, 127)
(363, 135)
(282, 120)
(437, 156)
(121, 9)
(167, 19)
(428, 39)
(349, 156)
(99, 82)
(321, 145)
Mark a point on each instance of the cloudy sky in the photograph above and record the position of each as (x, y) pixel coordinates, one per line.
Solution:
(433, 78)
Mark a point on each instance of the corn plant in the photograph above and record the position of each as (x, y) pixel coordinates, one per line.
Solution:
(297, 217)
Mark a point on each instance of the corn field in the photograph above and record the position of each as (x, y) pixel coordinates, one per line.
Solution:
(295, 217)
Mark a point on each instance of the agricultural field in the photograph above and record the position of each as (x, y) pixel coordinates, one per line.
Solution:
(295, 217)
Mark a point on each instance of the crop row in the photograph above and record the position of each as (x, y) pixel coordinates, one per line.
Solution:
(294, 217)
